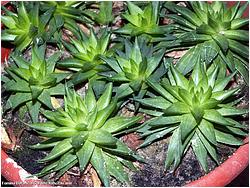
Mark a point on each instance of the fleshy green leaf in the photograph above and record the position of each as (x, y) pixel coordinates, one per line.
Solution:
(215, 117)
(104, 100)
(115, 168)
(177, 108)
(157, 135)
(97, 160)
(174, 151)
(179, 78)
(61, 148)
(119, 123)
(227, 138)
(62, 132)
(101, 137)
(207, 130)
(211, 150)
(18, 99)
(230, 111)
(65, 160)
(104, 114)
(157, 87)
(156, 102)
(90, 99)
(84, 154)
(200, 151)
(188, 123)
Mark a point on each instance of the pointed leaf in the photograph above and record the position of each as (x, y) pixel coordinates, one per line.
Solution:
(230, 111)
(156, 102)
(104, 100)
(174, 151)
(158, 88)
(200, 151)
(187, 124)
(104, 114)
(97, 160)
(62, 132)
(215, 117)
(90, 100)
(34, 109)
(207, 130)
(227, 138)
(46, 126)
(211, 149)
(157, 135)
(61, 148)
(65, 160)
(101, 137)
(179, 78)
(177, 108)
(18, 99)
(85, 153)
(115, 168)
(119, 123)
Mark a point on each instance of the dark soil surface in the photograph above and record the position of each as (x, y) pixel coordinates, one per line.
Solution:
(153, 174)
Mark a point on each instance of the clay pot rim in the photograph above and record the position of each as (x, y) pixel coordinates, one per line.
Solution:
(220, 176)
(227, 171)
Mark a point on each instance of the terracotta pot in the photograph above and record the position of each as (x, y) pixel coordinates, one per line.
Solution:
(16, 175)
(5, 54)
(220, 176)
(227, 171)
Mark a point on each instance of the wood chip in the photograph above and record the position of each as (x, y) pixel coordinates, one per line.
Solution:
(132, 140)
(97, 182)
(55, 103)
(4, 136)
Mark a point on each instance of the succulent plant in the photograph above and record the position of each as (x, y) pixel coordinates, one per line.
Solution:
(23, 28)
(104, 15)
(213, 29)
(142, 21)
(135, 65)
(86, 51)
(84, 133)
(32, 83)
(65, 14)
(198, 112)
(64, 9)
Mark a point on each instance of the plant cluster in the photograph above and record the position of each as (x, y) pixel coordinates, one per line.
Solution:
(191, 100)
(214, 29)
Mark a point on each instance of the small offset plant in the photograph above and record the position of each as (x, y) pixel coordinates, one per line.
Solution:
(84, 133)
(24, 28)
(142, 21)
(215, 30)
(135, 65)
(198, 112)
(86, 52)
(104, 15)
(64, 11)
(32, 83)
(65, 14)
